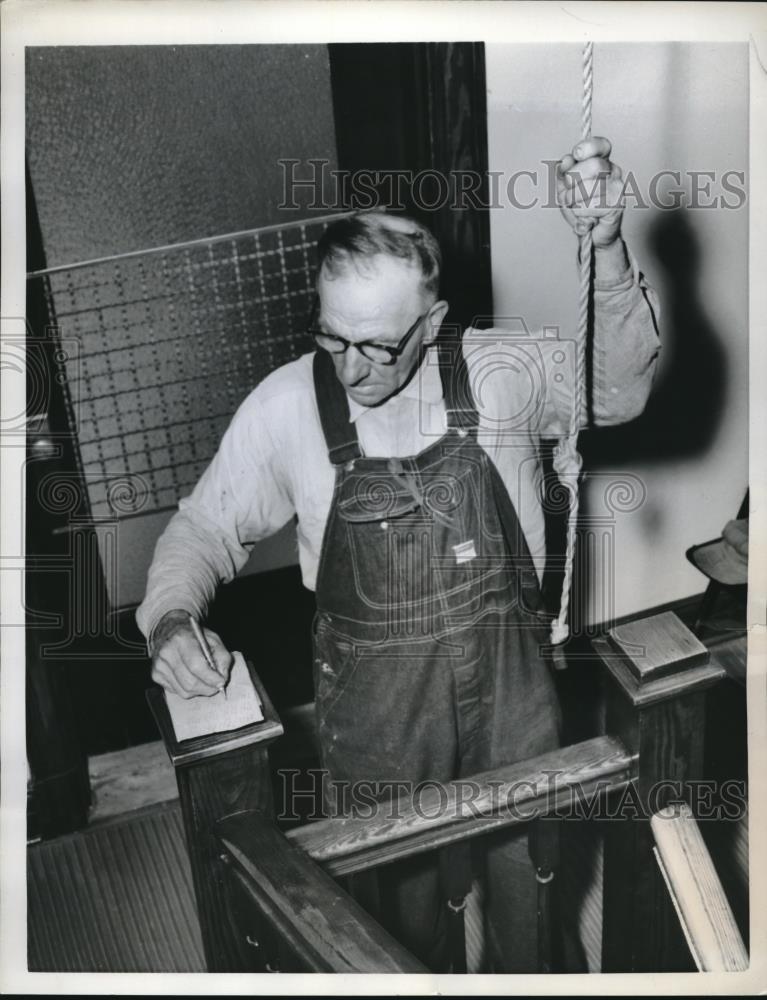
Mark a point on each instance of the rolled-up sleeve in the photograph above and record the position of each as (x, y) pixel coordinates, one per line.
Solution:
(242, 497)
(626, 346)
(625, 352)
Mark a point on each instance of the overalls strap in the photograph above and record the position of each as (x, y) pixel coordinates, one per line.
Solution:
(459, 401)
(340, 433)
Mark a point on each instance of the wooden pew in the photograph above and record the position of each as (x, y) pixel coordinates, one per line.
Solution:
(267, 899)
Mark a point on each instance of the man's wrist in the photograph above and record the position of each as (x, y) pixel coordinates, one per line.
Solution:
(612, 268)
(165, 627)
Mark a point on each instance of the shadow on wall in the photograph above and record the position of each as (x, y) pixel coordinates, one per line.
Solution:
(686, 406)
(688, 398)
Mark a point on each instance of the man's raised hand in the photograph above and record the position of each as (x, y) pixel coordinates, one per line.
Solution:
(178, 662)
(590, 190)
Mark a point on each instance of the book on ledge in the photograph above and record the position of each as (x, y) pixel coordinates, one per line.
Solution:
(237, 706)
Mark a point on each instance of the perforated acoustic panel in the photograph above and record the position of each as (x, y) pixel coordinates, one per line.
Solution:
(133, 146)
(169, 343)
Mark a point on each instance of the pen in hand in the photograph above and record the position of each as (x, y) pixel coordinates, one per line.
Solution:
(203, 643)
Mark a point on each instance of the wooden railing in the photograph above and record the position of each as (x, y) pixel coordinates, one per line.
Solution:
(267, 899)
(507, 796)
(310, 922)
(704, 913)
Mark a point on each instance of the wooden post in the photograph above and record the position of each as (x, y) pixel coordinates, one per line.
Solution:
(657, 674)
(217, 776)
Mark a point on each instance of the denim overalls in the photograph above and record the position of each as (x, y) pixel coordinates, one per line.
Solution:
(426, 642)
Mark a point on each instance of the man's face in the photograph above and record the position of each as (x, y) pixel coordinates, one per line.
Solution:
(376, 300)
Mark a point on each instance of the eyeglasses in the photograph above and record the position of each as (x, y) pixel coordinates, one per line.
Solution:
(379, 354)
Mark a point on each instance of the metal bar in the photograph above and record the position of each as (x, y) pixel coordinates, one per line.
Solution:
(203, 241)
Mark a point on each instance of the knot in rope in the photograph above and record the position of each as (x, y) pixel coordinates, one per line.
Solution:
(583, 226)
(567, 461)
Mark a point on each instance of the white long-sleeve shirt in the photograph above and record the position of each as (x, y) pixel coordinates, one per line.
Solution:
(272, 464)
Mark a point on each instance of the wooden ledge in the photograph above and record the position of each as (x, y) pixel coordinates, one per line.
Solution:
(644, 693)
(214, 744)
(503, 797)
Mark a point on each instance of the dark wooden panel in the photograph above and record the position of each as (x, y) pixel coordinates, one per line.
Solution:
(422, 107)
(323, 927)
(661, 688)
(232, 782)
(220, 775)
(731, 654)
(453, 76)
(60, 790)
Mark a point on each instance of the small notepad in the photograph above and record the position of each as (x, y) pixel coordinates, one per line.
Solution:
(219, 713)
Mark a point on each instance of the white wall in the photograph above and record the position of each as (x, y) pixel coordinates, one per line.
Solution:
(672, 106)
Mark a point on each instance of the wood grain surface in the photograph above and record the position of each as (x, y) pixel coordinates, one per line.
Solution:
(697, 893)
(656, 646)
(504, 797)
(323, 927)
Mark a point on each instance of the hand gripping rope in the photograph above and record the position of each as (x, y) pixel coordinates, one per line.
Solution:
(566, 460)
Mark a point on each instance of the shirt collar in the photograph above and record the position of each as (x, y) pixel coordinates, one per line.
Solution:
(424, 387)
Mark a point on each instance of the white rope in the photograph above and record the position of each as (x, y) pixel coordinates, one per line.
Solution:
(567, 462)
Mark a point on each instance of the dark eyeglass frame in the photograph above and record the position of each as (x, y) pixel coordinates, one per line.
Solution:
(393, 352)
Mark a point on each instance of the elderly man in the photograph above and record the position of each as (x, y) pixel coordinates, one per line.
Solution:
(412, 467)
